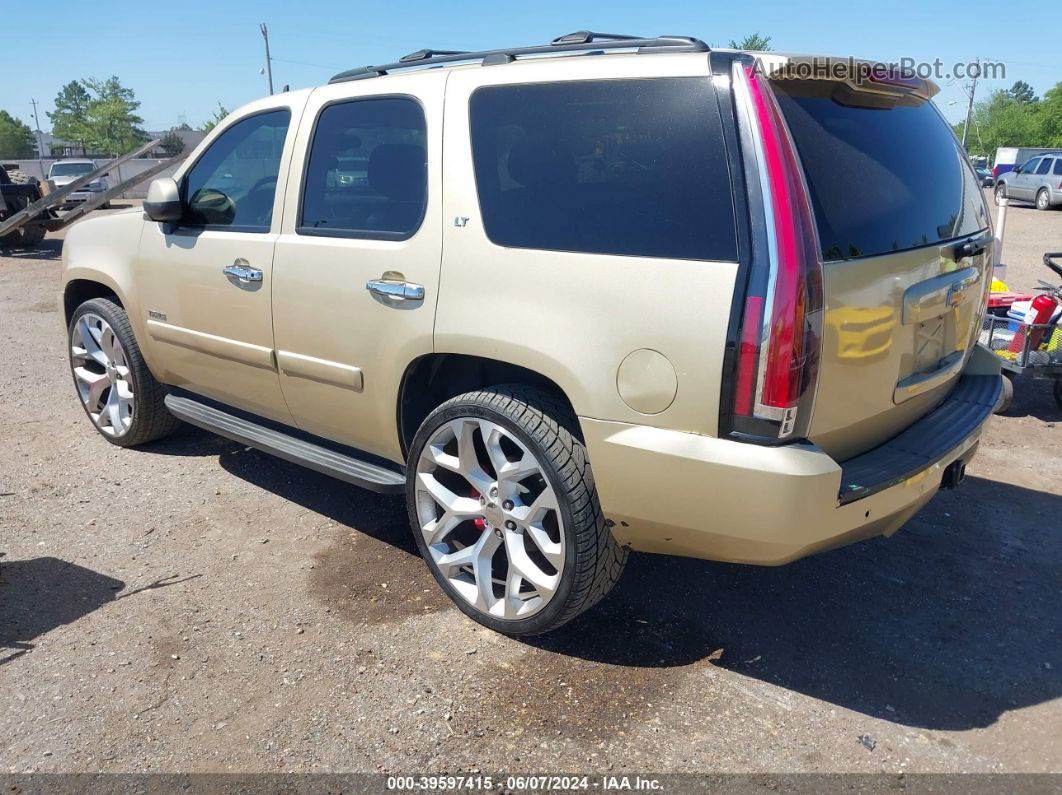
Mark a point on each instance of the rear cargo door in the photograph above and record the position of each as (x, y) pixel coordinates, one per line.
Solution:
(906, 246)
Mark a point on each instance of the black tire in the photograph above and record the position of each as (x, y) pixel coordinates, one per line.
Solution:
(1007, 395)
(32, 234)
(151, 419)
(1057, 390)
(550, 431)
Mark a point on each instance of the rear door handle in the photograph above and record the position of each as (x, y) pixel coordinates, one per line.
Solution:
(240, 271)
(395, 291)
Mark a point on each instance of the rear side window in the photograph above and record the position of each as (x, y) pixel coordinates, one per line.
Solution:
(1058, 166)
(234, 182)
(629, 167)
(1045, 166)
(881, 178)
(367, 172)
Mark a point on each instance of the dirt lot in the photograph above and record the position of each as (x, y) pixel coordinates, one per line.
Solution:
(198, 606)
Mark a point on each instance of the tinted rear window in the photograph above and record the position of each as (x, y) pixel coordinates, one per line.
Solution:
(634, 167)
(881, 179)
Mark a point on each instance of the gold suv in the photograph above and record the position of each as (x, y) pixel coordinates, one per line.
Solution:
(639, 296)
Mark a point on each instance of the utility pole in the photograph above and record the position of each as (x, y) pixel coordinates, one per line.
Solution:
(969, 105)
(269, 61)
(40, 140)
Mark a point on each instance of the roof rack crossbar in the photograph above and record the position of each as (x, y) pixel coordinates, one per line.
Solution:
(573, 42)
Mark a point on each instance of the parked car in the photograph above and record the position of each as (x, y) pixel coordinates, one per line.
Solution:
(63, 172)
(1007, 158)
(985, 177)
(1038, 180)
(576, 306)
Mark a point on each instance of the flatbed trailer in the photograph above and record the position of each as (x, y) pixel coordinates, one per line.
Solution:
(42, 211)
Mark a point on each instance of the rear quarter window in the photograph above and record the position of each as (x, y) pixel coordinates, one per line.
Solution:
(628, 167)
(881, 178)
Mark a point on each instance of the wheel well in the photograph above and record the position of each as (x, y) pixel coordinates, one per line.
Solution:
(435, 378)
(79, 291)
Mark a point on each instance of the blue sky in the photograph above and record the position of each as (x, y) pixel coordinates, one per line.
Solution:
(184, 58)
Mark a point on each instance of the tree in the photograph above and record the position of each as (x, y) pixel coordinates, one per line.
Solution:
(219, 114)
(1021, 92)
(172, 144)
(16, 138)
(70, 117)
(1048, 113)
(113, 126)
(755, 42)
(1015, 117)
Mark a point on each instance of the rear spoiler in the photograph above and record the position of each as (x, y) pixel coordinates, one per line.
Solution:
(858, 75)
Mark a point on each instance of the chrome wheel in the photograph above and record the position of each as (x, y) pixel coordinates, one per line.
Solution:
(1042, 200)
(102, 374)
(490, 518)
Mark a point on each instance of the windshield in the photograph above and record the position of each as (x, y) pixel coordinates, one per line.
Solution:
(71, 169)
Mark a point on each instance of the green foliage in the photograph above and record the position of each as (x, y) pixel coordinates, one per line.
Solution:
(172, 144)
(1049, 114)
(114, 127)
(219, 114)
(16, 138)
(70, 117)
(1015, 117)
(755, 42)
(98, 115)
(1021, 92)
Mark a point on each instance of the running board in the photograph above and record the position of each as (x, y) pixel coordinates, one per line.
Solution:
(282, 445)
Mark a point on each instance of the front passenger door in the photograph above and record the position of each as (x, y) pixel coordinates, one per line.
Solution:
(1023, 179)
(206, 282)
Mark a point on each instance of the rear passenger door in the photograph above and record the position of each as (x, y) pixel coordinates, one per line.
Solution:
(356, 267)
(589, 218)
(1042, 178)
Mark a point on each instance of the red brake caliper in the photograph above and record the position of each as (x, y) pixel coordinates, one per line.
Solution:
(480, 523)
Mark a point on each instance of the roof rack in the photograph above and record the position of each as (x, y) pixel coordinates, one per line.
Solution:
(581, 40)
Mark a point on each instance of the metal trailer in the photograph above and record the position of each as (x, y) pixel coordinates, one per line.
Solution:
(41, 214)
(1033, 349)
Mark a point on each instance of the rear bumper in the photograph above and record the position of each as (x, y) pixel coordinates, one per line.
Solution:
(684, 494)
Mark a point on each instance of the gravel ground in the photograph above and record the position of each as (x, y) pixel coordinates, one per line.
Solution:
(198, 606)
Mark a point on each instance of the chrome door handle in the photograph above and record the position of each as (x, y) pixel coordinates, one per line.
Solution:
(240, 271)
(395, 291)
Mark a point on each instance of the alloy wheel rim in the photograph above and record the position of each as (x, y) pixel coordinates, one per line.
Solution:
(1041, 200)
(490, 518)
(102, 375)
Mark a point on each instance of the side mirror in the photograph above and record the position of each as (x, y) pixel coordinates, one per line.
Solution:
(163, 202)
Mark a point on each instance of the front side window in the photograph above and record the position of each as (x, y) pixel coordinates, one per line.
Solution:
(367, 171)
(628, 167)
(1029, 166)
(233, 184)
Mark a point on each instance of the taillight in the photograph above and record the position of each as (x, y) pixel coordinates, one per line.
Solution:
(776, 365)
